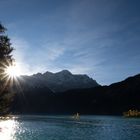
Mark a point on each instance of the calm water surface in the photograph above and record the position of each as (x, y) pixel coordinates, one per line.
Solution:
(66, 128)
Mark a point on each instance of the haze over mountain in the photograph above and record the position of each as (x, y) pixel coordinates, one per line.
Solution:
(59, 82)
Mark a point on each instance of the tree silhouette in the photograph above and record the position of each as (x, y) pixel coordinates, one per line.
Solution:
(5, 60)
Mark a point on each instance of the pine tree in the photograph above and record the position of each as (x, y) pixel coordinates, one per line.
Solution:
(5, 60)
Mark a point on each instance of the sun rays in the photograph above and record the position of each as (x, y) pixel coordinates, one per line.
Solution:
(13, 71)
(10, 74)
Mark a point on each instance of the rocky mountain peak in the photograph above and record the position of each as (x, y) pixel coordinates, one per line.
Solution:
(61, 81)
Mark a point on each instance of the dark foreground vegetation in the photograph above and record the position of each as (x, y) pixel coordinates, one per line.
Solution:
(6, 60)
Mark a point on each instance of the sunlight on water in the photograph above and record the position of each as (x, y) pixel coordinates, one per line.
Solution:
(8, 129)
(66, 128)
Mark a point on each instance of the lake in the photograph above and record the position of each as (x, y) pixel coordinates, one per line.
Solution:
(66, 128)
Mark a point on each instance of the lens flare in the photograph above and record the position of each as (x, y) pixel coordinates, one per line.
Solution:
(12, 71)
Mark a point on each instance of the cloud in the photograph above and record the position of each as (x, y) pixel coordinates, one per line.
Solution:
(80, 69)
(20, 54)
(39, 60)
(52, 51)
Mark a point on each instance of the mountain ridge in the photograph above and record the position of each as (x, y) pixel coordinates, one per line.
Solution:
(109, 100)
(60, 81)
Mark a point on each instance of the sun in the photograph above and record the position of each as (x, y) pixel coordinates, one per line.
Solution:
(13, 71)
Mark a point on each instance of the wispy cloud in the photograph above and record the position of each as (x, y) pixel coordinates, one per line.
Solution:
(21, 54)
(52, 51)
(39, 60)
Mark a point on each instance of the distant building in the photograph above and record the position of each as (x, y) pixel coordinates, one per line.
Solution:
(132, 113)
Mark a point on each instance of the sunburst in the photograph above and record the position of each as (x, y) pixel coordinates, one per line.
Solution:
(12, 71)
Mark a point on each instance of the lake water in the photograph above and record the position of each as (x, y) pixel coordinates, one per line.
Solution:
(66, 128)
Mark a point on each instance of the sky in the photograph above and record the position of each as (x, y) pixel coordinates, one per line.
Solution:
(100, 38)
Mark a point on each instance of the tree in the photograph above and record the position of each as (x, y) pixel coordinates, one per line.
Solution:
(5, 60)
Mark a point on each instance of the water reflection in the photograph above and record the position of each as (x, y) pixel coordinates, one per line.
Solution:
(8, 129)
(65, 128)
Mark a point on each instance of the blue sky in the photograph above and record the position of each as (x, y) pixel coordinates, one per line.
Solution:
(100, 38)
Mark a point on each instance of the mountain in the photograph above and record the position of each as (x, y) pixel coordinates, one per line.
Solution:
(60, 81)
(113, 99)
